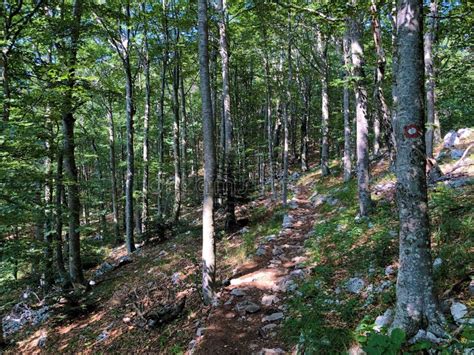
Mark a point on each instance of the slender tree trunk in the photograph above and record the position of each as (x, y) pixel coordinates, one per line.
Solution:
(230, 219)
(113, 176)
(208, 242)
(432, 127)
(176, 137)
(269, 123)
(48, 218)
(322, 52)
(184, 133)
(74, 204)
(346, 109)
(362, 142)
(417, 306)
(130, 159)
(287, 119)
(59, 221)
(5, 68)
(146, 143)
(305, 124)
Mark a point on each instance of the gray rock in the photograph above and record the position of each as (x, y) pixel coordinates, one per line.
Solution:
(162, 253)
(238, 292)
(318, 200)
(200, 332)
(270, 238)
(295, 176)
(456, 154)
(229, 301)
(287, 221)
(247, 306)
(103, 336)
(424, 335)
(384, 320)
(450, 139)
(268, 327)
(124, 260)
(390, 270)
(471, 287)
(103, 268)
(244, 230)
(459, 312)
(277, 251)
(268, 300)
(456, 183)
(275, 351)
(176, 278)
(298, 273)
(437, 264)
(355, 285)
(273, 317)
(42, 341)
(464, 133)
(261, 251)
(383, 286)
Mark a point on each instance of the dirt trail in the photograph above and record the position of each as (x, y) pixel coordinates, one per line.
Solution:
(251, 309)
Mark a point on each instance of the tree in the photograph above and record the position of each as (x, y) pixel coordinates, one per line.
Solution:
(347, 159)
(417, 306)
(208, 242)
(362, 140)
(74, 203)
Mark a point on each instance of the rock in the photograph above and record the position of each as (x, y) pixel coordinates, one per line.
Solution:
(275, 351)
(229, 301)
(192, 346)
(355, 285)
(456, 154)
(200, 332)
(162, 253)
(103, 336)
(456, 183)
(450, 139)
(176, 278)
(287, 221)
(270, 238)
(42, 340)
(268, 300)
(298, 273)
(383, 286)
(437, 263)
(471, 287)
(277, 251)
(268, 327)
(261, 251)
(459, 311)
(124, 260)
(464, 133)
(390, 270)
(103, 268)
(295, 176)
(384, 320)
(244, 230)
(126, 319)
(318, 200)
(247, 306)
(92, 283)
(238, 292)
(426, 336)
(273, 317)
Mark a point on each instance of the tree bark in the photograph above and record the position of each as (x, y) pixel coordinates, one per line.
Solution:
(347, 160)
(208, 242)
(59, 220)
(74, 204)
(322, 52)
(113, 176)
(176, 136)
(417, 306)
(287, 120)
(230, 219)
(269, 122)
(146, 142)
(432, 127)
(362, 142)
(48, 214)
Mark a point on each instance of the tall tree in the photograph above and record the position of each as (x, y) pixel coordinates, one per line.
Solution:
(417, 307)
(432, 119)
(208, 242)
(74, 204)
(347, 159)
(227, 124)
(176, 134)
(362, 140)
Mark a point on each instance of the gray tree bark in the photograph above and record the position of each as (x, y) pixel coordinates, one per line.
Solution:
(74, 204)
(146, 140)
(113, 176)
(432, 120)
(347, 160)
(176, 136)
(417, 306)
(230, 219)
(323, 64)
(208, 241)
(362, 141)
(59, 220)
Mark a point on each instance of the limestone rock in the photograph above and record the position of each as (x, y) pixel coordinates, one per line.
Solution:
(268, 300)
(384, 320)
(459, 311)
(273, 317)
(247, 306)
(355, 285)
(238, 292)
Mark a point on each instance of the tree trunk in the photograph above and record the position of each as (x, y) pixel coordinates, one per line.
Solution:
(208, 242)
(146, 143)
(113, 176)
(287, 120)
(346, 109)
(381, 114)
(48, 217)
(74, 204)
(176, 137)
(184, 134)
(432, 127)
(362, 142)
(305, 124)
(230, 220)
(6, 86)
(322, 52)
(269, 123)
(416, 301)
(59, 220)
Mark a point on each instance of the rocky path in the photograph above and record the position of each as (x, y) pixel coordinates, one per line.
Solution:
(251, 309)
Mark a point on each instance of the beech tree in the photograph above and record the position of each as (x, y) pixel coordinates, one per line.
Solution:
(417, 306)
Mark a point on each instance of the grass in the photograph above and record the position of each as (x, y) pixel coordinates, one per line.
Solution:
(325, 321)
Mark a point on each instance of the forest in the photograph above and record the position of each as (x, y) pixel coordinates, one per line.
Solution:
(237, 177)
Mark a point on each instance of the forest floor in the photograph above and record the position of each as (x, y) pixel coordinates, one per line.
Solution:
(312, 276)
